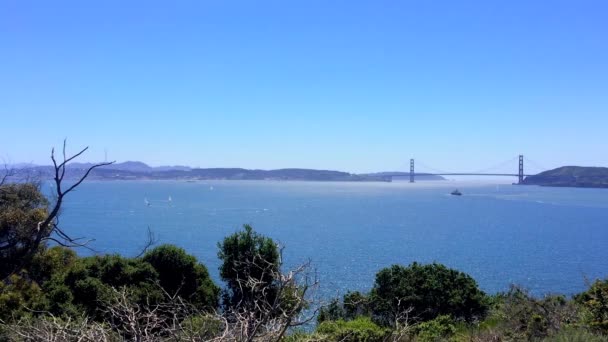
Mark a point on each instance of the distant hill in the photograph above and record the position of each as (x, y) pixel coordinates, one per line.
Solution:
(133, 170)
(405, 175)
(571, 176)
(138, 170)
(231, 174)
(134, 166)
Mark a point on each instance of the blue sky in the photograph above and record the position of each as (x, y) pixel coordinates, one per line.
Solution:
(347, 85)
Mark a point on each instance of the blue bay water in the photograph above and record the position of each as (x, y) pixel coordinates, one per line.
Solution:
(546, 239)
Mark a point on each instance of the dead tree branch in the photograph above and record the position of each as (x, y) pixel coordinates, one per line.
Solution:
(151, 240)
(51, 328)
(52, 219)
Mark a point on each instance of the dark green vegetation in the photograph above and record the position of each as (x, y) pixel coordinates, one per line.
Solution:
(22, 207)
(180, 274)
(462, 314)
(167, 295)
(248, 255)
(571, 176)
(426, 291)
(60, 282)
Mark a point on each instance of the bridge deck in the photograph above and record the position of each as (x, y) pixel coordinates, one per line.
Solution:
(405, 174)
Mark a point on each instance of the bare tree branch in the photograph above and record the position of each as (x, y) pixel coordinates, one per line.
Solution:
(6, 173)
(151, 240)
(51, 328)
(59, 176)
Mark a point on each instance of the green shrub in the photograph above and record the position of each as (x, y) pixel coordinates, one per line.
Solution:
(49, 262)
(353, 304)
(361, 329)
(436, 329)
(22, 208)
(181, 274)
(576, 335)
(61, 299)
(20, 296)
(595, 306)
(356, 304)
(519, 315)
(90, 279)
(428, 290)
(248, 255)
(82, 284)
(332, 312)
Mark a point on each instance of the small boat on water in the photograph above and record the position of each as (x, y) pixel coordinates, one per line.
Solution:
(456, 193)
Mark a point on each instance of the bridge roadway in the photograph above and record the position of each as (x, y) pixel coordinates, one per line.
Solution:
(406, 174)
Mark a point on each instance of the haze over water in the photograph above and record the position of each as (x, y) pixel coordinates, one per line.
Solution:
(547, 239)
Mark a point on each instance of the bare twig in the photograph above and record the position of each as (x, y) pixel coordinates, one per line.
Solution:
(151, 240)
(51, 220)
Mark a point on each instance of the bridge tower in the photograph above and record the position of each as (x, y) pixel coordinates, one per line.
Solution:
(521, 170)
(412, 170)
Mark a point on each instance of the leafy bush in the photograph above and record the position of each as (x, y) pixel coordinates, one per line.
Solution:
(19, 296)
(356, 304)
(22, 208)
(332, 312)
(247, 255)
(353, 305)
(426, 291)
(361, 329)
(89, 281)
(436, 329)
(181, 274)
(595, 304)
(517, 315)
(51, 261)
(86, 282)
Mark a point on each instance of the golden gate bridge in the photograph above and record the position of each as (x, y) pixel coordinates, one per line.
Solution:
(412, 174)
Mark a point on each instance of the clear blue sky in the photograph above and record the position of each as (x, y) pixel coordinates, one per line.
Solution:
(348, 85)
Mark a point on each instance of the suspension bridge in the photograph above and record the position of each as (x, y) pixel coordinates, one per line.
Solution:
(412, 174)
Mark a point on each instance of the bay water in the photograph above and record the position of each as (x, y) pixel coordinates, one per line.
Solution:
(549, 240)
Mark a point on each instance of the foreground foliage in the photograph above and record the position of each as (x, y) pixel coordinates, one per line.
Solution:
(164, 295)
(22, 209)
(248, 256)
(111, 298)
(167, 295)
(595, 304)
(423, 292)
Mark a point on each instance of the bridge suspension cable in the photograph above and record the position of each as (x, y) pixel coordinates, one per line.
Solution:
(500, 166)
(426, 167)
(535, 165)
